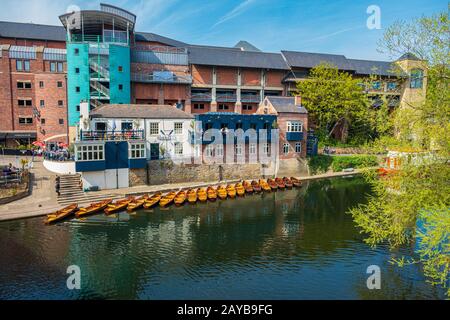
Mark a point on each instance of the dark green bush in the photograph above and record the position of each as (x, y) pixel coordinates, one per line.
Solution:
(319, 164)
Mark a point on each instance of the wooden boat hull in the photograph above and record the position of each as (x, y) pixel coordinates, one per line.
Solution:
(280, 183)
(61, 214)
(211, 194)
(256, 187)
(202, 195)
(180, 198)
(152, 201)
(240, 191)
(192, 196)
(167, 199)
(222, 193)
(288, 183)
(137, 204)
(297, 183)
(248, 187)
(264, 185)
(120, 205)
(231, 191)
(93, 208)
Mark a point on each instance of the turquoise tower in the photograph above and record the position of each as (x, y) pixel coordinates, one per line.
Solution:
(98, 59)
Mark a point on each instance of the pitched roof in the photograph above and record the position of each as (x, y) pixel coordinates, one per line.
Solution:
(139, 111)
(286, 104)
(233, 57)
(310, 60)
(367, 67)
(32, 31)
(408, 56)
(152, 37)
(246, 46)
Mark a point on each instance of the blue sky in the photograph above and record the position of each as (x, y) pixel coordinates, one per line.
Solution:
(328, 26)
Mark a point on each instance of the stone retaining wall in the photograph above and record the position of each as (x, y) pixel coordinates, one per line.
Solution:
(165, 172)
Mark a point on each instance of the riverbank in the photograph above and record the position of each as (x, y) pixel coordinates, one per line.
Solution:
(34, 206)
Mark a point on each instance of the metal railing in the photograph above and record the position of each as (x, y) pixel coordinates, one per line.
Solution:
(10, 177)
(96, 38)
(111, 135)
(95, 103)
(250, 98)
(100, 70)
(152, 78)
(100, 88)
(201, 97)
(226, 97)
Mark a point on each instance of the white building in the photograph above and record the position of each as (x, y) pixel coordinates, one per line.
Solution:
(166, 128)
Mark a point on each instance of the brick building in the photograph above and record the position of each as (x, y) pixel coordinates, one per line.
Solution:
(152, 69)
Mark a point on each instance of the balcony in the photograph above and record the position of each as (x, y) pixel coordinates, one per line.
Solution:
(114, 135)
(251, 98)
(226, 97)
(206, 97)
(80, 38)
(294, 136)
(161, 78)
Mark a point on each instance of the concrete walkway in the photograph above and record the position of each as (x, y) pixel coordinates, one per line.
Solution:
(42, 199)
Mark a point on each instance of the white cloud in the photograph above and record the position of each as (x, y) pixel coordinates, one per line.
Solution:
(239, 9)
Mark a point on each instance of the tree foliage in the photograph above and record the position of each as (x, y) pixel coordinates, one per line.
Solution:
(419, 193)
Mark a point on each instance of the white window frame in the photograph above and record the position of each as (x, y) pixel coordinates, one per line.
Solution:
(151, 130)
(219, 150)
(298, 147)
(177, 147)
(266, 149)
(84, 150)
(286, 148)
(209, 150)
(238, 149)
(138, 148)
(294, 126)
(178, 131)
(252, 148)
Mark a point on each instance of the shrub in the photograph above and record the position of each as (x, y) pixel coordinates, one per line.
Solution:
(362, 161)
(319, 164)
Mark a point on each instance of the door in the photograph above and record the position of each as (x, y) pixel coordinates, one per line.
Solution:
(154, 151)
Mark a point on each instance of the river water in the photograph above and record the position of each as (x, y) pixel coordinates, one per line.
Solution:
(293, 244)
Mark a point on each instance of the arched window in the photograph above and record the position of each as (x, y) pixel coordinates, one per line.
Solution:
(416, 81)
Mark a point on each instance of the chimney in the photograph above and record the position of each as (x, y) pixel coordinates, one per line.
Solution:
(298, 100)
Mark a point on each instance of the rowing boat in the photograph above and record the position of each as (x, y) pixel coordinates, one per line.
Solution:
(280, 183)
(273, 185)
(61, 214)
(192, 196)
(167, 199)
(93, 208)
(137, 203)
(231, 190)
(264, 185)
(153, 200)
(180, 198)
(212, 193)
(256, 187)
(222, 192)
(296, 182)
(247, 186)
(117, 206)
(288, 183)
(240, 190)
(202, 194)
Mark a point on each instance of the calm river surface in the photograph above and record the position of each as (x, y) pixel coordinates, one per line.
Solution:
(296, 244)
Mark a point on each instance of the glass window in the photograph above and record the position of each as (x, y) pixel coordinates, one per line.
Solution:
(60, 103)
(238, 148)
(294, 126)
(416, 79)
(223, 107)
(391, 86)
(42, 121)
(42, 103)
(209, 150)
(60, 67)
(286, 148)
(120, 87)
(25, 120)
(266, 148)
(252, 148)
(247, 107)
(137, 150)
(298, 147)
(219, 150)
(77, 89)
(120, 68)
(154, 128)
(61, 121)
(89, 152)
(19, 65)
(178, 128)
(77, 70)
(178, 146)
(126, 126)
(41, 84)
(376, 85)
(52, 66)
(26, 65)
(60, 84)
(199, 106)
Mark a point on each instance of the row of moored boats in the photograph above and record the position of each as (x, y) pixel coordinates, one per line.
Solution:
(192, 196)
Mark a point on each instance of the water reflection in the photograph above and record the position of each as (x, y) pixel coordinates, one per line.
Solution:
(297, 244)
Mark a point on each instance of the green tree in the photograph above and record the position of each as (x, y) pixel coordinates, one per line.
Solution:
(419, 193)
(338, 104)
